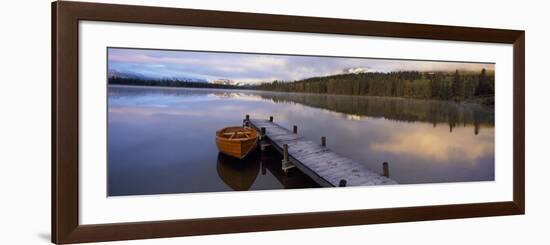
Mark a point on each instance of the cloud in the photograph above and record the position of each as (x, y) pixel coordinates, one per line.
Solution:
(256, 67)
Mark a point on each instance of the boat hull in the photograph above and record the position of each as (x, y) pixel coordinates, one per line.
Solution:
(237, 147)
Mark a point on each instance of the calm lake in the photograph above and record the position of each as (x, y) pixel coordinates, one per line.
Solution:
(162, 140)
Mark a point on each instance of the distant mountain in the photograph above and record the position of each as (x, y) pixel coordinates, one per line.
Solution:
(132, 75)
(127, 75)
(227, 82)
(357, 70)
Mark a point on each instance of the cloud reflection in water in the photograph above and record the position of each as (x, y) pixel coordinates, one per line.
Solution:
(161, 139)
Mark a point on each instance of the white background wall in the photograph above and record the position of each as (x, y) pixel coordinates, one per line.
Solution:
(25, 121)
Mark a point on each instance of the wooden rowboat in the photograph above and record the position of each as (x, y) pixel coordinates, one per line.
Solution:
(236, 141)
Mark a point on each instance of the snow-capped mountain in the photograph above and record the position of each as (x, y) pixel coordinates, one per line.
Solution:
(131, 75)
(127, 75)
(356, 70)
(226, 82)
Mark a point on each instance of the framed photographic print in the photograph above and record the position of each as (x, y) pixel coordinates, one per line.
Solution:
(175, 122)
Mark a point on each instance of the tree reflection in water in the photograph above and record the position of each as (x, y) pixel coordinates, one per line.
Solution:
(161, 139)
(408, 110)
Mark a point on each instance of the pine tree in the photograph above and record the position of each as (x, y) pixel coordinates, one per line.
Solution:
(457, 87)
(484, 86)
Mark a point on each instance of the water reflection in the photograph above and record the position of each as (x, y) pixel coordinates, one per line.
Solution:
(429, 144)
(238, 174)
(271, 163)
(398, 109)
(354, 107)
(161, 140)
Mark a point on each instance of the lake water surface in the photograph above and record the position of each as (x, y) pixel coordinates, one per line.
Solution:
(162, 140)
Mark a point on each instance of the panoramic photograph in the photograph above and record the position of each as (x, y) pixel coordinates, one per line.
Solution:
(183, 121)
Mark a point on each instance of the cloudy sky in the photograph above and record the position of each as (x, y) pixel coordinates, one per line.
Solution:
(254, 68)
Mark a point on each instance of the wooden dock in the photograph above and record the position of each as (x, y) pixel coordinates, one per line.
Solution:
(324, 166)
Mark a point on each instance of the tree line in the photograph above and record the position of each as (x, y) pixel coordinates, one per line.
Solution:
(167, 83)
(456, 85)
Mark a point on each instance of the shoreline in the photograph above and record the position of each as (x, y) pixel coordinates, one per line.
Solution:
(481, 100)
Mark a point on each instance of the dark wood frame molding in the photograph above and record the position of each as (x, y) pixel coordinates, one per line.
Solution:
(65, 210)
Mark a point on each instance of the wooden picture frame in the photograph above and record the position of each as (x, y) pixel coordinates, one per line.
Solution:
(65, 121)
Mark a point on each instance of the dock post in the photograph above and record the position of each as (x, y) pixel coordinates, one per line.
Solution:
(385, 170)
(246, 120)
(263, 144)
(323, 141)
(295, 129)
(262, 167)
(342, 183)
(285, 163)
(262, 133)
(285, 152)
(271, 118)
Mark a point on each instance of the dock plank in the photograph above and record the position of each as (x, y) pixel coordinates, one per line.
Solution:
(320, 163)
